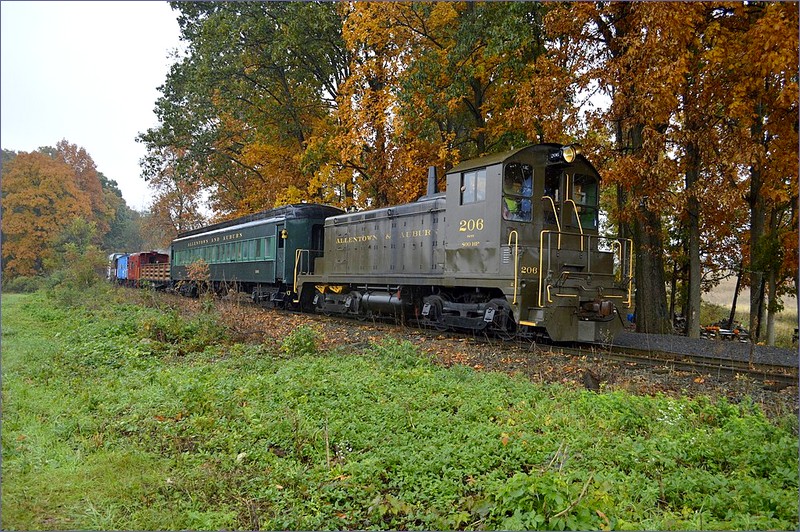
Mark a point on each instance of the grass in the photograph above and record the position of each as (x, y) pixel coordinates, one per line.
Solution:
(122, 417)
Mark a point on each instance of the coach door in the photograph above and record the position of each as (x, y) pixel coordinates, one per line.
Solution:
(280, 254)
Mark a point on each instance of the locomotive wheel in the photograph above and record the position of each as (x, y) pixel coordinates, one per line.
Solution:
(359, 313)
(434, 318)
(503, 323)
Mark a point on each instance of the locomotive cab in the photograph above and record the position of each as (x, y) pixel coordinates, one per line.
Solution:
(530, 218)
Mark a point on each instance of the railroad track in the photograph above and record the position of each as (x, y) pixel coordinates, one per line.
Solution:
(769, 374)
(775, 376)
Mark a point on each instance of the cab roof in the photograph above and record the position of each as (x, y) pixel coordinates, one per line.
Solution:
(499, 158)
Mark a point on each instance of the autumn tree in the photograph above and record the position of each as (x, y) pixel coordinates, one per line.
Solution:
(39, 199)
(763, 39)
(87, 180)
(431, 83)
(679, 93)
(176, 204)
(257, 80)
(56, 196)
(622, 48)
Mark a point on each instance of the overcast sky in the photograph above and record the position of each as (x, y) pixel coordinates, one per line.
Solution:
(87, 72)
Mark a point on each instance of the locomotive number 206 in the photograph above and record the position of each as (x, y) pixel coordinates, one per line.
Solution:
(473, 224)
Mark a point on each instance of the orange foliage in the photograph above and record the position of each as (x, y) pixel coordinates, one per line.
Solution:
(40, 199)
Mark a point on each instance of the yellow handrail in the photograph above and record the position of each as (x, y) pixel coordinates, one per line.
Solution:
(555, 213)
(630, 274)
(297, 254)
(516, 260)
(580, 225)
(541, 258)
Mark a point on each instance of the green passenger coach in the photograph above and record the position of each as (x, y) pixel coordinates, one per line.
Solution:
(259, 254)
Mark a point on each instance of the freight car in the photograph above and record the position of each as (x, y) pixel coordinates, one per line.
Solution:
(111, 273)
(512, 247)
(135, 269)
(258, 254)
(120, 265)
(148, 267)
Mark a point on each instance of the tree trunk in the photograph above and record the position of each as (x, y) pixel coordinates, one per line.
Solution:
(646, 230)
(673, 286)
(693, 226)
(735, 297)
(651, 291)
(757, 223)
(772, 307)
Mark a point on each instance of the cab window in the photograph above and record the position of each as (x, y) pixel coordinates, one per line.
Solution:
(584, 194)
(552, 189)
(517, 190)
(473, 186)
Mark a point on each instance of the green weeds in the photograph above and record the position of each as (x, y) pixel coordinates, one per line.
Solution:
(122, 417)
(301, 342)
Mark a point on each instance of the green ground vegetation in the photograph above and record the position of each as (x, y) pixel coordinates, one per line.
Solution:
(127, 416)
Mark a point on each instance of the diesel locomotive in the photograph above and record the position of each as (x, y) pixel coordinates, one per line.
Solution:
(512, 247)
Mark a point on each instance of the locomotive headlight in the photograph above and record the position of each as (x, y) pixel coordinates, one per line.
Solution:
(568, 153)
(565, 154)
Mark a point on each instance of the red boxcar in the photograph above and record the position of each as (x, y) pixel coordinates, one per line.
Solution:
(138, 269)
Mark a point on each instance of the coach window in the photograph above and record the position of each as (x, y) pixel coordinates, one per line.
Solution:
(269, 248)
(473, 186)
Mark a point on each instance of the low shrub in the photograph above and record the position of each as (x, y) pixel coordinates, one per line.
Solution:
(23, 284)
(186, 336)
(301, 342)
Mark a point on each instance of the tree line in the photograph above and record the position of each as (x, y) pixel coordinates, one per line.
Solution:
(347, 103)
(58, 210)
(689, 110)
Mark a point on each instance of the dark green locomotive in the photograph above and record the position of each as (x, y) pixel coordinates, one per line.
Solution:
(511, 247)
(258, 254)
